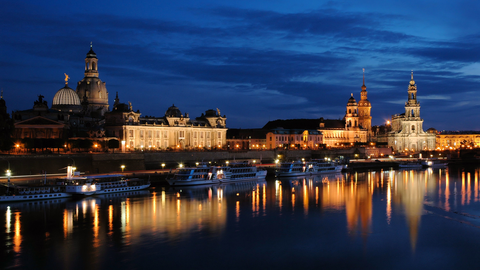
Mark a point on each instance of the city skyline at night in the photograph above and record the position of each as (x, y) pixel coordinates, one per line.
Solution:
(254, 61)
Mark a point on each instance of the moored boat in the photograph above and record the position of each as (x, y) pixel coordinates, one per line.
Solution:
(24, 193)
(205, 175)
(410, 165)
(120, 185)
(434, 163)
(300, 168)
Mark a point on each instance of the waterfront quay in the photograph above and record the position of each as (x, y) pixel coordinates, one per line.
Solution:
(94, 163)
(160, 162)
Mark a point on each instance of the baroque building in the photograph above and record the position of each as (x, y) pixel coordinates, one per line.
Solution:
(91, 90)
(353, 128)
(172, 131)
(406, 131)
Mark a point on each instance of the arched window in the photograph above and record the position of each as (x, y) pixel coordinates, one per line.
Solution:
(413, 114)
(349, 110)
(413, 128)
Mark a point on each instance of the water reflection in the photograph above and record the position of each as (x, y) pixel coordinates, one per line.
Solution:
(359, 202)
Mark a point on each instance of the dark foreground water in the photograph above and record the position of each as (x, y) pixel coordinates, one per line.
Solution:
(427, 219)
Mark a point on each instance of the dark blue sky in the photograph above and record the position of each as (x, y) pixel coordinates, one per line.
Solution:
(254, 60)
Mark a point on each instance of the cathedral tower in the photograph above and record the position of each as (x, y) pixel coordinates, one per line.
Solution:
(91, 90)
(364, 108)
(412, 106)
(351, 115)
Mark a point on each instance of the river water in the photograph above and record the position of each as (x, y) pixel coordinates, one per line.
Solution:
(406, 219)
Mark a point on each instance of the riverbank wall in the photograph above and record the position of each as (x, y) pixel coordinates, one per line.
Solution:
(92, 163)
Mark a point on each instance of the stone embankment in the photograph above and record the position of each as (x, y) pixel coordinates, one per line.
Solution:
(94, 163)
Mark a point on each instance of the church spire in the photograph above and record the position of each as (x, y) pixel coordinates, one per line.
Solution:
(116, 101)
(363, 93)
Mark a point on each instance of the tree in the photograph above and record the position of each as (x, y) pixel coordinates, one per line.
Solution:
(114, 144)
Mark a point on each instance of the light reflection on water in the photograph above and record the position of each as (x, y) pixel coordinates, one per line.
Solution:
(123, 230)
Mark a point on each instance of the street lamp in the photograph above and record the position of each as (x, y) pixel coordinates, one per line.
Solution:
(123, 167)
(163, 166)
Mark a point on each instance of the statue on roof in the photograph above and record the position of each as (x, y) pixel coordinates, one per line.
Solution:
(218, 111)
(66, 78)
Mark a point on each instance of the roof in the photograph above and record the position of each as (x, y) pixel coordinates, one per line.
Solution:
(304, 124)
(254, 133)
(39, 121)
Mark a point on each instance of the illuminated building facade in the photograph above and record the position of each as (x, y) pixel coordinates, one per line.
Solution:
(172, 131)
(456, 140)
(407, 128)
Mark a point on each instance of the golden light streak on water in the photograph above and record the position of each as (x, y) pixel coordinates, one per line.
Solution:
(264, 199)
(316, 196)
(476, 186)
(253, 202)
(96, 243)
(8, 217)
(280, 199)
(110, 219)
(237, 211)
(163, 199)
(84, 209)
(17, 238)
(389, 202)
(258, 200)
(154, 202)
(469, 194)
(439, 183)
(305, 200)
(68, 222)
(447, 192)
(381, 179)
(293, 202)
(463, 188)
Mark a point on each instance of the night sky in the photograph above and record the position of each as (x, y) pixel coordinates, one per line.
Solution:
(254, 60)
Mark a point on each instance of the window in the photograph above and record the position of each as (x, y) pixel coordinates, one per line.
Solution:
(149, 133)
(165, 134)
(130, 133)
(201, 135)
(219, 135)
(141, 133)
(181, 134)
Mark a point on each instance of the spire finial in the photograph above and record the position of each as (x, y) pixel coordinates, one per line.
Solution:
(351, 94)
(412, 74)
(91, 45)
(363, 76)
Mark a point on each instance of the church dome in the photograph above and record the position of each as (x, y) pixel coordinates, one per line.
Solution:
(352, 101)
(66, 100)
(173, 112)
(66, 96)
